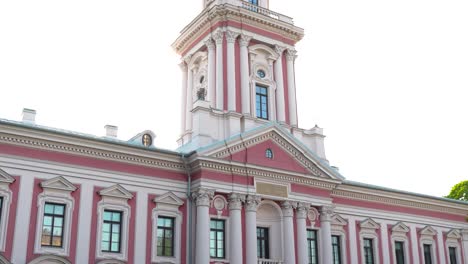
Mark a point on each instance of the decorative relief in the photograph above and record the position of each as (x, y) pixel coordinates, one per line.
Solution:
(209, 43)
(313, 215)
(369, 223)
(220, 204)
(252, 202)
(400, 227)
(288, 208)
(291, 54)
(244, 40)
(218, 36)
(203, 197)
(302, 210)
(231, 36)
(235, 201)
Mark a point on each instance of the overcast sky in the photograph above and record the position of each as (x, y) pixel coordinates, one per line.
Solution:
(387, 80)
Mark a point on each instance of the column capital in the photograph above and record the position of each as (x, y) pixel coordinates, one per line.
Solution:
(326, 213)
(202, 197)
(464, 233)
(288, 208)
(302, 210)
(231, 36)
(252, 202)
(235, 201)
(209, 43)
(183, 66)
(218, 36)
(187, 59)
(244, 40)
(291, 54)
(279, 50)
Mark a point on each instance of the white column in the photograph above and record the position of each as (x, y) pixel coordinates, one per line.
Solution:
(290, 57)
(211, 71)
(219, 38)
(464, 233)
(325, 226)
(23, 215)
(235, 223)
(84, 222)
(251, 205)
(141, 229)
(353, 250)
(301, 214)
(288, 231)
(244, 68)
(280, 106)
(414, 243)
(189, 100)
(183, 100)
(385, 246)
(231, 69)
(441, 246)
(202, 199)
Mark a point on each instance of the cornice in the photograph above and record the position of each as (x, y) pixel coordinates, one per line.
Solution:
(223, 13)
(394, 201)
(68, 148)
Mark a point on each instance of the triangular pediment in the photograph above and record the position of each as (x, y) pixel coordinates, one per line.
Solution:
(338, 220)
(116, 191)
(454, 234)
(400, 228)
(369, 224)
(428, 231)
(58, 183)
(289, 154)
(169, 198)
(5, 177)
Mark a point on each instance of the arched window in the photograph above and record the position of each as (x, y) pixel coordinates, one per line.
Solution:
(269, 154)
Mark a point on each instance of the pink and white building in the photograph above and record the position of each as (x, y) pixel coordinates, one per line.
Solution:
(246, 185)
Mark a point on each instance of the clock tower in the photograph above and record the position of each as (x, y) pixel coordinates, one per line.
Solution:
(238, 73)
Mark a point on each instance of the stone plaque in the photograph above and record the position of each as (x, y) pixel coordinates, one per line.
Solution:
(272, 189)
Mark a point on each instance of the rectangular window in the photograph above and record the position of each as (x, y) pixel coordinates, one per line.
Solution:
(261, 102)
(453, 255)
(165, 236)
(52, 225)
(336, 249)
(368, 251)
(111, 231)
(399, 252)
(254, 2)
(427, 254)
(312, 246)
(217, 238)
(263, 250)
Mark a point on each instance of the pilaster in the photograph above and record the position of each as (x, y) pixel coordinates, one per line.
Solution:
(290, 57)
(235, 217)
(251, 205)
(280, 103)
(288, 225)
(326, 213)
(202, 198)
(219, 39)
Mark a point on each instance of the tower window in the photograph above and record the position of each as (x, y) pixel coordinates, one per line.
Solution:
(269, 154)
(261, 102)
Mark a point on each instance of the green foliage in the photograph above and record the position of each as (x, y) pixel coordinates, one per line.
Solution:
(459, 191)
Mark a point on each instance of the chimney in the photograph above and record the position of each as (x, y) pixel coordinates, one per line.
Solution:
(111, 131)
(29, 115)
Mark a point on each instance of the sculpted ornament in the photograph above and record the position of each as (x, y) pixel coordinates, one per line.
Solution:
(327, 212)
(235, 201)
(231, 36)
(302, 210)
(218, 37)
(209, 43)
(252, 202)
(279, 50)
(244, 40)
(288, 208)
(291, 54)
(203, 197)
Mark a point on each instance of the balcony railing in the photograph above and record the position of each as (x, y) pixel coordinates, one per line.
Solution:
(254, 8)
(269, 261)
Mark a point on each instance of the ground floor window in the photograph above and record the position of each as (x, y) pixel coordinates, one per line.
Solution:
(453, 255)
(312, 246)
(368, 251)
(427, 254)
(217, 239)
(263, 250)
(399, 252)
(336, 247)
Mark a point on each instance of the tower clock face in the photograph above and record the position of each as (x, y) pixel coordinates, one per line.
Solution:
(261, 74)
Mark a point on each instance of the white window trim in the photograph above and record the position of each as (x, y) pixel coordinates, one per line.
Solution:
(114, 198)
(398, 237)
(343, 240)
(318, 238)
(427, 237)
(369, 230)
(5, 214)
(453, 240)
(57, 190)
(167, 205)
(227, 243)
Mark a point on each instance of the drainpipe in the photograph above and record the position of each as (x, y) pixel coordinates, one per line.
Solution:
(189, 208)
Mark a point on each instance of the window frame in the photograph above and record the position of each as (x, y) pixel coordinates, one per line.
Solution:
(53, 215)
(311, 241)
(340, 250)
(402, 250)
(431, 253)
(6, 195)
(265, 96)
(216, 230)
(111, 222)
(267, 242)
(164, 228)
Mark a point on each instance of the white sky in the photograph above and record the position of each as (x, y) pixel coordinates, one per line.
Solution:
(386, 79)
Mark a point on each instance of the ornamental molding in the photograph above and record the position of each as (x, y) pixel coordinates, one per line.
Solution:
(278, 139)
(313, 215)
(337, 220)
(369, 223)
(58, 183)
(400, 227)
(428, 231)
(5, 177)
(90, 152)
(116, 191)
(395, 201)
(168, 198)
(222, 13)
(454, 234)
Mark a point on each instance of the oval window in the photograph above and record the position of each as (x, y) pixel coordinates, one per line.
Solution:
(261, 73)
(269, 154)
